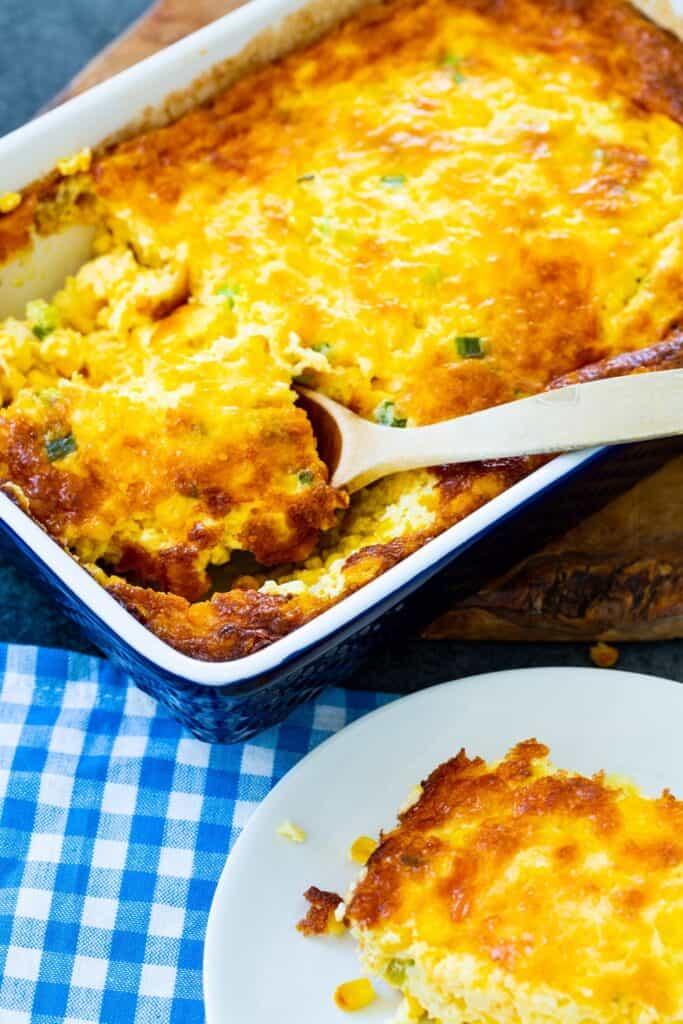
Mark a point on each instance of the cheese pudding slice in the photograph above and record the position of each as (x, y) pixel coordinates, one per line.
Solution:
(516, 892)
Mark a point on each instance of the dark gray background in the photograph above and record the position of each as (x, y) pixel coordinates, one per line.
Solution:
(42, 44)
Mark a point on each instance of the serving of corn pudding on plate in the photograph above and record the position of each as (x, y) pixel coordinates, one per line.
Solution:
(535, 874)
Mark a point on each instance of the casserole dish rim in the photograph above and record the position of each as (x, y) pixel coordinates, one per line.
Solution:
(114, 107)
(303, 640)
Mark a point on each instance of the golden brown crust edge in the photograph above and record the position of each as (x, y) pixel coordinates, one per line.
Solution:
(470, 791)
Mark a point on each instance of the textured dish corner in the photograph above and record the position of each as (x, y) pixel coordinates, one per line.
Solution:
(668, 13)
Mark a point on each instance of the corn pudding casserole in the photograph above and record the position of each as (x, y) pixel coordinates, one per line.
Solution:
(517, 892)
(439, 206)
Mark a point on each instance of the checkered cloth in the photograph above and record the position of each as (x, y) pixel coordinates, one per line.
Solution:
(114, 827)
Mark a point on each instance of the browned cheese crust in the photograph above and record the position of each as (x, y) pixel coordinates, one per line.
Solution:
(322, 904)
(517, 880)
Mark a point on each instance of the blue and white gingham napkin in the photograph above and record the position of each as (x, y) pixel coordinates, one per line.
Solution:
(114, 827)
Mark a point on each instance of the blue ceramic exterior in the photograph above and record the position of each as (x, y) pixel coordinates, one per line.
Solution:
(234, 711)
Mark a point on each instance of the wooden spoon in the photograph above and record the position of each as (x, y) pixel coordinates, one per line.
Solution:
(640, 407)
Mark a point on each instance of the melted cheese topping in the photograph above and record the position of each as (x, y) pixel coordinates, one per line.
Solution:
(183, 441)
(518, 892)
(432, 210)
(376, 210)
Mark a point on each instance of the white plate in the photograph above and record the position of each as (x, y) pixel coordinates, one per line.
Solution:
(257, 968)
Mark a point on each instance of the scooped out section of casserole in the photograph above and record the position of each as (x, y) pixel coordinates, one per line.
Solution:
(440, 206)
(148, 441)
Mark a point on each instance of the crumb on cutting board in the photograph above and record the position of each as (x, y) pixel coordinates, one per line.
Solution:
(604, 655)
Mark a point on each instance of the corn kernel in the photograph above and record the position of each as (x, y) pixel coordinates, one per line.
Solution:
(77, 163)
(604, 655)
(354, 995)
(415, 1009)
(9, 201)
(335, 926)
(362, 849)
(288, 830)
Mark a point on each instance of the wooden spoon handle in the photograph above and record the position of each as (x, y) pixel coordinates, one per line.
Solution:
(615, 411)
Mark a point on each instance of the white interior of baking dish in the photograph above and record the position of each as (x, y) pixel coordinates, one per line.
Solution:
(152, 91)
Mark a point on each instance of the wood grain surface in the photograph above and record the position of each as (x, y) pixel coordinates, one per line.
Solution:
(617, 576)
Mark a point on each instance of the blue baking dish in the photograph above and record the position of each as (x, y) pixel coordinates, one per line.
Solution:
(228, 701)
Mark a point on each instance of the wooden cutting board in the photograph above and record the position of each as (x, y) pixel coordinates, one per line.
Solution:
(617, 576)
(164, 23)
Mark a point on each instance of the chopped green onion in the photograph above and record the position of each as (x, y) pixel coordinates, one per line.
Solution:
(469, 347)
(395, 971)
(48, 395)
(305, 177)
(324, 347)
(385, 414)
(454, 62)
(306, 476)
(229, 292)
(59, 447)
(42, 318)
(434, 275)
(323, 225)
(393, 180)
